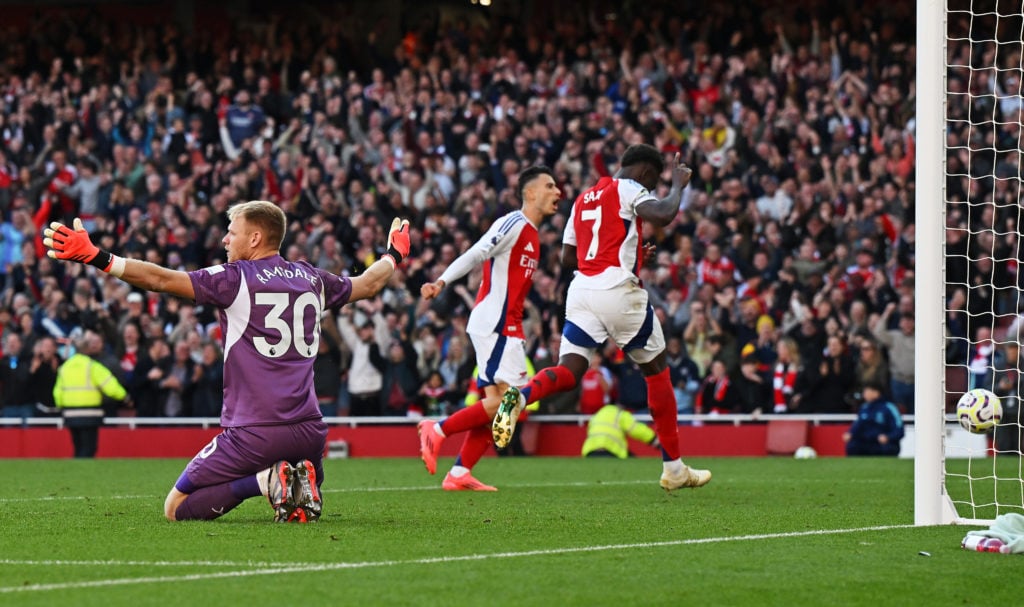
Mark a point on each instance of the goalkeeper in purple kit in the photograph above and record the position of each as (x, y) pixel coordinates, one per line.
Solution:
(273, 436)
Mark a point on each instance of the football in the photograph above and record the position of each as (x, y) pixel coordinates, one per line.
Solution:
(979, 410)
(805, 452)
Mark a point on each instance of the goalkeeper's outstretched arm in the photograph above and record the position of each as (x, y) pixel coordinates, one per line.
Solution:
(370, 282)
(74, 245)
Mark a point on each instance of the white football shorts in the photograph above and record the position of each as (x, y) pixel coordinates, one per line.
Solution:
(500, 360)
(621, 313)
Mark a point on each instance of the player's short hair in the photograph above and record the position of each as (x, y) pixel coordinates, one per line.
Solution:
(266, 216)
(530, 174)
(642, 153)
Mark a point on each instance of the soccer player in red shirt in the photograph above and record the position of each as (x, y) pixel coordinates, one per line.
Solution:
(509, 253)
(606, 301)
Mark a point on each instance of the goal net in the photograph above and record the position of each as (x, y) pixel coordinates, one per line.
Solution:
(983, 310)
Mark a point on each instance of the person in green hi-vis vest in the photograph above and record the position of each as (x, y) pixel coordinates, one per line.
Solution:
(608, 430)
(82, 384)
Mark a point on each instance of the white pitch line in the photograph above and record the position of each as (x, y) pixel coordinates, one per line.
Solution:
(116, 563)
(306, 568)
(74, 498)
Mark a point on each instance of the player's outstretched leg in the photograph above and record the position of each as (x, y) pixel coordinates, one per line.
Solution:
(504, 424)
(280, 491)
(306, 494)
(430, 443)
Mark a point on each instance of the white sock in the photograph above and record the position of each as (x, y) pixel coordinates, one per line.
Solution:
(263, 479)
(673, 467)
(438, 430)
(459, 471)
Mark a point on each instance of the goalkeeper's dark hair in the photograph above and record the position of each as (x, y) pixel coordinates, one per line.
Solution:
(530, 174)
(642, 153)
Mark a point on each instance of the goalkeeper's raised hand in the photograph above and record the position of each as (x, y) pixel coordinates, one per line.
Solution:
(74, 245)
(398, 240)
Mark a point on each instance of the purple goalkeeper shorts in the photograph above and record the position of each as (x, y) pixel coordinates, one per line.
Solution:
(239, 452)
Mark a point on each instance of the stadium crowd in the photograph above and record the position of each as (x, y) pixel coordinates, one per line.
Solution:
(785, 283)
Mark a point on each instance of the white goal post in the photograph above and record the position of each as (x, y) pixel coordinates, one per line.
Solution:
(932, 505)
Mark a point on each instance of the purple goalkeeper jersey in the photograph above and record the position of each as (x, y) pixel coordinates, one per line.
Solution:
(270, 320)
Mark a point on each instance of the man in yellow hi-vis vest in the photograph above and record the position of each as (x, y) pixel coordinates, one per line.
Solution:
(82, 383)
(607, 431)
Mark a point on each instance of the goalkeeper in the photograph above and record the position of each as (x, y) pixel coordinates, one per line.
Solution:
(273, 436)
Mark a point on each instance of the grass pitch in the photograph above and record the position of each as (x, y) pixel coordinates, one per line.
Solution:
(766, 531)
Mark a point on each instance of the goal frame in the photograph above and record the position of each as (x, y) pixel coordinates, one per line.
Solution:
(932, 504)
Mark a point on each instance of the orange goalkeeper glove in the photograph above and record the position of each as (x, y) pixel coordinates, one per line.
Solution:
(74, 245)
(398, 240)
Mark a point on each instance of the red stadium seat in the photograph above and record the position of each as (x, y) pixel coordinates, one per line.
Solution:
(785, 436)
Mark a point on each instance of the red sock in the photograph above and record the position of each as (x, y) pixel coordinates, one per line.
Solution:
(661, 400)
(465, 419)
(547, 382)
(477, 442)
